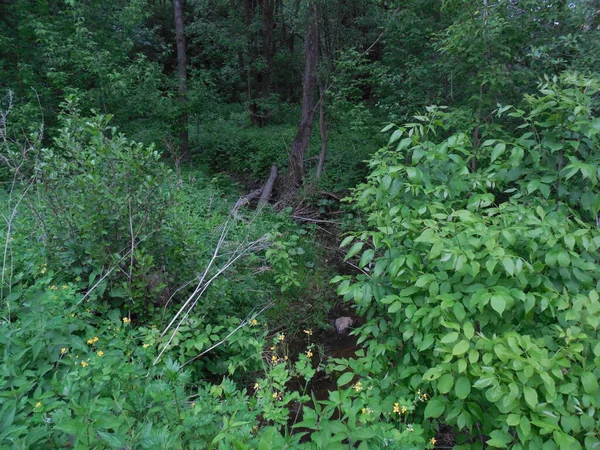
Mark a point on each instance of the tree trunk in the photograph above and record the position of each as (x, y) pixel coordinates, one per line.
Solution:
(309, 81)
(268, 8)
(323, 130)
(268, 187)
(182, 75)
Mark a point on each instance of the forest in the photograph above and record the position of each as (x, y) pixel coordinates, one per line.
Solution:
(300, 224)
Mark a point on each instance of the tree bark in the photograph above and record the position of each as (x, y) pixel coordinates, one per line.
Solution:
(268, 9)
(324, 131)
(182, 76)
(268, 187)
(309, 81)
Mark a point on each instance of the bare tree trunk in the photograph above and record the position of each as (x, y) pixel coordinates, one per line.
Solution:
(268, 187)
(268, 9)
(324, 131)
(309, 81)
(182, 75)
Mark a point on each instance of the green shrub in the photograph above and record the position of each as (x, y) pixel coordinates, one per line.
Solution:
(482, 274)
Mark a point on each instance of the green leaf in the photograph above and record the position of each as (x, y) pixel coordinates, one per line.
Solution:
(112, 439)
(460, 348)
(445, 383)
(509, 265)
(434, 409)
(462, 389)
(499, 439)
(589, 383)
(563, 259)
(345, 378)
(449, 338)
(357, 247)
(531, 397)
(513, 420)
(499, 149)
(469, 330)
(498, 304)
(366, 258)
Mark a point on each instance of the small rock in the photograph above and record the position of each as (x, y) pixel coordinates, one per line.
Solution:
(343, 324)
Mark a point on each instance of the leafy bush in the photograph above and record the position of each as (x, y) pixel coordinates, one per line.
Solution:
(482, 274)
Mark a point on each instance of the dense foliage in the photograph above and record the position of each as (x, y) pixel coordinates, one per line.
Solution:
(179, 176)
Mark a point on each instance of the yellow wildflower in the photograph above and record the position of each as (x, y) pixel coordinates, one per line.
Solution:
(272, 348)
(100, 353)
(63, 351)
(309, 332)
(281, 337)
(403, 409)
(126, 320)
(146, 345)
(84, 364)
(433, 441)
(38, 405)
(254, 322)
(309, 354)
(396, 407)
(43, 271)
(285, 358)
(274, 358)
(358, 387)
(364, 410)
(275, 394)
(424, 397)
(256, 386)
(53, 287)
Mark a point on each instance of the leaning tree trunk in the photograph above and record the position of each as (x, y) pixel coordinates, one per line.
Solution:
(182, 76)
(309, 81)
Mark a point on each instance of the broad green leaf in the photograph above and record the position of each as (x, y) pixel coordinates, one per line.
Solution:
(445, 383)
(498, 150)
(366, 258)
(357, 247)
(498, 304)
(460, 348)
(589, 383)
(531, 397)
(499, 439)
(345, 378)
(462, 388)
(434, 409)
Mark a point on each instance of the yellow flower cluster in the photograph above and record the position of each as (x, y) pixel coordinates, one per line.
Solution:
(254, 322)
(126, 320)
(100, 353)
(53, 287)
(63, 351)
(38, 405)
(358, 387)
(432, 441)
(309, 332)
(93, 340)
(281, 337)
(84, 364)
(309, 354)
